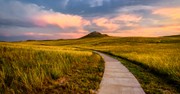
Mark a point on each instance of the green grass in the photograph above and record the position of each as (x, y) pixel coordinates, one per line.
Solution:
(41, 69)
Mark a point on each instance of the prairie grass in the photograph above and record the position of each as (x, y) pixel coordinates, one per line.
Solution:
(163, 58)
(160, 55)
(43, 69)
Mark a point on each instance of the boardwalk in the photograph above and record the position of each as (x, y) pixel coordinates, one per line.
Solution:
(117, 79)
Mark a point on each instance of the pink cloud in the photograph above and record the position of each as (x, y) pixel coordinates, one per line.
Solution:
(70, 35)
(150, 31)
(171, 12)
(167, 23)
(113, 24)
(56, 35)
(37, 34)
(61, 20)
(130, 20)
(106, 23)
(127, 18)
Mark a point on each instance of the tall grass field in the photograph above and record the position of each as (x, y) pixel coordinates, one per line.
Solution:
(70, 66)
(42, 69)
(159, 56)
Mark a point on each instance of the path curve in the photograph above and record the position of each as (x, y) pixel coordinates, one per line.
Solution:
(117, 79)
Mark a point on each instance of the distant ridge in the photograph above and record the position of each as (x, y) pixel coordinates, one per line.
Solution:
(94, 35)
(173, 36)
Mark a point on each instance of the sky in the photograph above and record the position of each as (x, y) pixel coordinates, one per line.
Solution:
(68, 19)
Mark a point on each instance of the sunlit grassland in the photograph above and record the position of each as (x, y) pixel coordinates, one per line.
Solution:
(163, 58)
(48, 69)
(156, 60)
(160, 55)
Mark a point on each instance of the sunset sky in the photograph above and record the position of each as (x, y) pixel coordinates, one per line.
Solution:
(67, 19)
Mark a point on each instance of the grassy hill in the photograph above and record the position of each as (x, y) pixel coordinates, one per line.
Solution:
(154, 61)
(173, 36)
(95, 34)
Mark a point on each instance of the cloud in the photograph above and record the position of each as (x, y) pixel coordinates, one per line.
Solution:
(160, 22)
(168, 3)
(54, 35)
(14, 13)
(133, 8)
(95, 3)
(70, 35)
(127, 18)
(40, 36)
(163, 30)
(15, 23)
(112, 24)
(106, 23)
(171, 12)
(162, 16)
(37, 34)
(90, 7)
(29, 21)
(65, 3)
(32, 15)
(74, 18)
(62, 20)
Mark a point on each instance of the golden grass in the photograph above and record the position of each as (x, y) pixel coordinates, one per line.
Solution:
(161, 55)
(33, 69)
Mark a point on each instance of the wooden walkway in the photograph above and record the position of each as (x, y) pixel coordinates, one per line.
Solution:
(117, 79)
